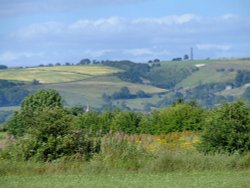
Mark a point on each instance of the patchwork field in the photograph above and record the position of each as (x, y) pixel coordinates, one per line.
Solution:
(90, 91)
(57, 74)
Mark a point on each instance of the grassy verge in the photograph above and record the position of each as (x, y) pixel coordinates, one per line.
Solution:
(209, 179)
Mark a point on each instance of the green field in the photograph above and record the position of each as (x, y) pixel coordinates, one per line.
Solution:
(85, 85)
(57, 74)
(212, 179)
(208, 73)
(90, 91)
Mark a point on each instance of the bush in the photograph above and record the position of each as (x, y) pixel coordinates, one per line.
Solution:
(126, 122)
(51, 137)
(24, 118)
(181, 116)
(227, 129)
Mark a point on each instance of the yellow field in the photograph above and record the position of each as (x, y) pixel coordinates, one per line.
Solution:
(56, 74)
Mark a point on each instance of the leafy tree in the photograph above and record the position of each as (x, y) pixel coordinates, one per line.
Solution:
(84, 62)
(43, 98)
(127, 122)
(186, 57)
(242, 77)
(156, 60)
(24, 119)
(124, 93)
(227, 129)
(53, 136)
(3, 67)
(179, 117)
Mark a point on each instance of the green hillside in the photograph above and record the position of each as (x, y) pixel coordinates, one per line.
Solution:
(164, 82)
(214, 71)
(56, 74)
(90, 91)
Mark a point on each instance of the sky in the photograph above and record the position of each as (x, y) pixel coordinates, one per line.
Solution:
(34, 32)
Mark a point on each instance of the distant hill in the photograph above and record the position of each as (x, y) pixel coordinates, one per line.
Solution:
(152, 85)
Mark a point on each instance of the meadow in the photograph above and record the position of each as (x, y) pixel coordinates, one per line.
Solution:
(90, 91)
(212, 179)
(57, 74)
(208, 72)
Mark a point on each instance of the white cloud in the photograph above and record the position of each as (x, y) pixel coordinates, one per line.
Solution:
(168, 20)
(229, 16)
(108, 24)
(118, 37)
(222, 47)
(39, 30)
(13, 56)
(145, 52)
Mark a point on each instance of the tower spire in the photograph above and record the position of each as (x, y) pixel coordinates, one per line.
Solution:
(191, 54)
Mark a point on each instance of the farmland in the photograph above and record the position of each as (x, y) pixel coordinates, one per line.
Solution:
(56, 74)
(165, 83)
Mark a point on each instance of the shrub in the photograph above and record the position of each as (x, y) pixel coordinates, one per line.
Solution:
(181, 116)
(24, 118)
(227, 129)
(51, 137)
(126, 121)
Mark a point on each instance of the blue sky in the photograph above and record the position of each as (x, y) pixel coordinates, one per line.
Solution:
(49, 31)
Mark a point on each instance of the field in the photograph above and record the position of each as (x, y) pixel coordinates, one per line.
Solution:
(57, 74)
(208, 71)
(85, 85)
(90, 91)
(210, 179)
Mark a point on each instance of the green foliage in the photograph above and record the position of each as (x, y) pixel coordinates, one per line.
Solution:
(89, 122)
(25, 118)
(46, 98)
(3, 67)
(11, 94)
(118, 153)
(168, 75)
(227, 129)
(181, 116)
(242, 77)
(127, 122)
(52, 136)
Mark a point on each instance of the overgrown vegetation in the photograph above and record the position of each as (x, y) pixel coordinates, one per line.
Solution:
(48, 142)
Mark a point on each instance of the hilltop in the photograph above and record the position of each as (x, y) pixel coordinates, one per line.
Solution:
(147, 86)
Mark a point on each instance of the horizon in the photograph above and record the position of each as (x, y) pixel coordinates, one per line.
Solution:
(35, 32)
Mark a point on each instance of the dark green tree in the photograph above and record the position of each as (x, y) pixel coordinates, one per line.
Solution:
(24, 118)
(227, 129)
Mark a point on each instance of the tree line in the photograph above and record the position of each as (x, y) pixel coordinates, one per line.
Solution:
(46, 130)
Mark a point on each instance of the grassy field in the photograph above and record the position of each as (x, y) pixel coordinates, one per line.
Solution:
(208, 73)
(211, 179)
(57, 74)
(90, 91)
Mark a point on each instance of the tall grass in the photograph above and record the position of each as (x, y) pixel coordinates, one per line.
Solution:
(133, 153)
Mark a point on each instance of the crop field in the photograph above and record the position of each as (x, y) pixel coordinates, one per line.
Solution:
(56, 74)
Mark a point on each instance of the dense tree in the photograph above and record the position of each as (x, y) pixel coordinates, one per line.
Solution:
(3, 67)
(242, 77)
(185, 57)
(127, 122)
(24, 118)
(84, 62)
(179, 117)
(227, 129)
